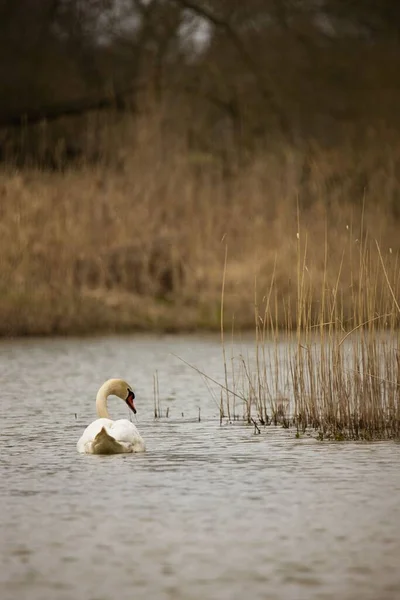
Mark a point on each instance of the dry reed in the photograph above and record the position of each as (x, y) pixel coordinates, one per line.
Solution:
(134, 242)
(335, 373)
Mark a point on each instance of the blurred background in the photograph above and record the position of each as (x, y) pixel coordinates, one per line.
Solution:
(140, 141)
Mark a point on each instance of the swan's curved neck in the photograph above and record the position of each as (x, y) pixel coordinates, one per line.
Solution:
(101, 401)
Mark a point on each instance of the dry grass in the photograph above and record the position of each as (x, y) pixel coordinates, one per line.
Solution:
(335, 373)
(138, 240)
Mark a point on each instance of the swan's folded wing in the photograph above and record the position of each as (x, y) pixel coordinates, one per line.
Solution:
(90, 433)
(125, 431)
(94, 428)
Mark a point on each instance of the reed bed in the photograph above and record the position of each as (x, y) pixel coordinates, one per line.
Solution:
(332, 374)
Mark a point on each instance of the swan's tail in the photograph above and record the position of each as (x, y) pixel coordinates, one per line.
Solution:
(104, 443)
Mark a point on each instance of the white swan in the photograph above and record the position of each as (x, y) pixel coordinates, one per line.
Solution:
(105, 436)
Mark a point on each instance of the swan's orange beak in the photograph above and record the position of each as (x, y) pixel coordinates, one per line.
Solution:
(130, 401)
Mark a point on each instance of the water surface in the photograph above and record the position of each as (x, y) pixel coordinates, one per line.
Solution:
(208, 512)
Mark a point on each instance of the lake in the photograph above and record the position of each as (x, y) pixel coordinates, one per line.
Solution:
(208, 511)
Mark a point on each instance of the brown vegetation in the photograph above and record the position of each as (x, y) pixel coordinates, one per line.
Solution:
(138, 243)
(267, 153)
(283, 122)
(336, 373)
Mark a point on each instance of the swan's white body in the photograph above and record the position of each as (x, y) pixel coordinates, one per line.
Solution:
(105, 436)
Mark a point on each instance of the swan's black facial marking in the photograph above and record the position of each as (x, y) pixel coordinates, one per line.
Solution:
(130, 401)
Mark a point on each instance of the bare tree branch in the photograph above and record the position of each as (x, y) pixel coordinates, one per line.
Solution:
(51, 113)
(265, 82)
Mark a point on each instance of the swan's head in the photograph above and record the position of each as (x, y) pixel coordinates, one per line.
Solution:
(122, 389)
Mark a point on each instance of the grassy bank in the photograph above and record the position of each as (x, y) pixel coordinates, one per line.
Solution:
(137, 242)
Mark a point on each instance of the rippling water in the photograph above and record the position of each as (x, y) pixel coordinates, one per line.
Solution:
(208, 512)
